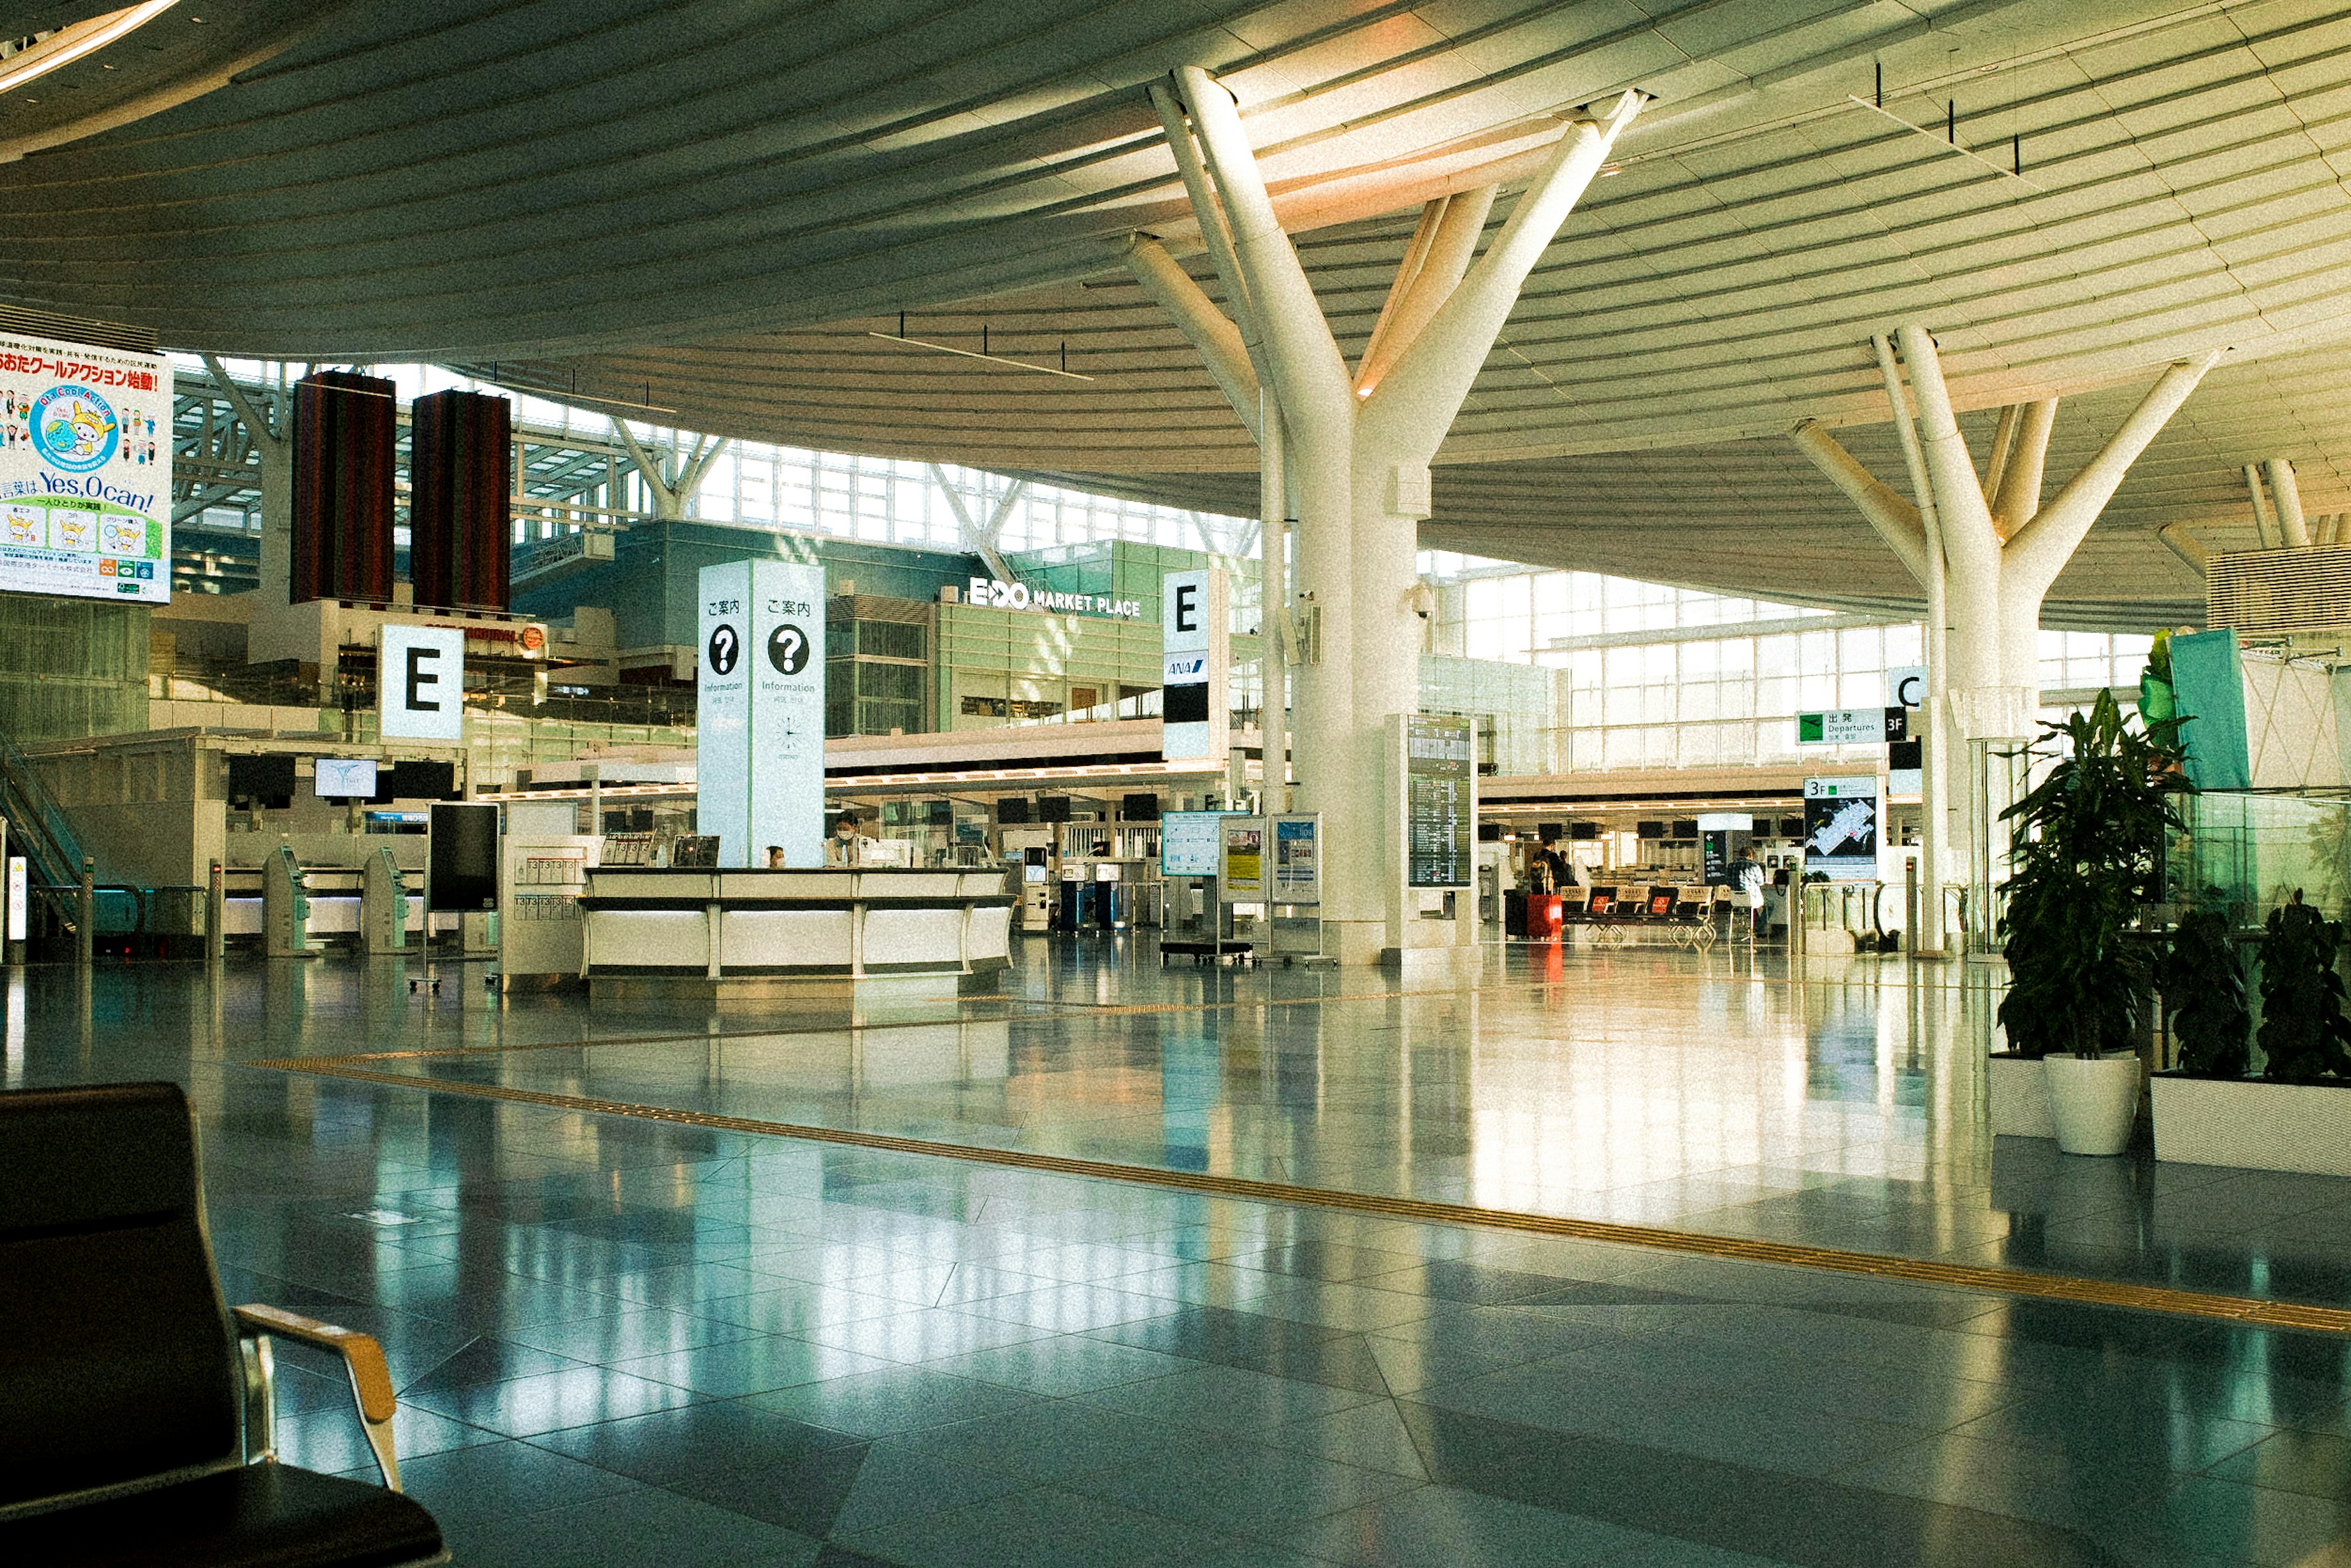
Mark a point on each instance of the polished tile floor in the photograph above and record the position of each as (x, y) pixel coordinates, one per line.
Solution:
(626, 1341)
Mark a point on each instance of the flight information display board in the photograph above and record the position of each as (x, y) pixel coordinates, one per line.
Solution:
(85, 471)
(1440, 800)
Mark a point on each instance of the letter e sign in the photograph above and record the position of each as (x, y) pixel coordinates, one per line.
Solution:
(421, 682)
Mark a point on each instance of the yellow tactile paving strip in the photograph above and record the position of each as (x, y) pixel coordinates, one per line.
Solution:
(1999, 1281)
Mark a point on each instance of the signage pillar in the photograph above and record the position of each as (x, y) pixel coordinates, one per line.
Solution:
(1195, 654)
(760, 736)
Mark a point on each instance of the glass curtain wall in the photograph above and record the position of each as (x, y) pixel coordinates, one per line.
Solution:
(1654, 676)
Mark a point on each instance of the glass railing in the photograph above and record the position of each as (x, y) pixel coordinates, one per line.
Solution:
(2254, 848)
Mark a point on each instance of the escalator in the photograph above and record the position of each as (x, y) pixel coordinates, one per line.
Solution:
(37, 831)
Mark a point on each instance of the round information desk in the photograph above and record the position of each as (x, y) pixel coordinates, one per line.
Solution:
(750, 937)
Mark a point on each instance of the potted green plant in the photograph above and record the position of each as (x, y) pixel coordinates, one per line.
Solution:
(2304, 1037)
(2087, 843)
(2203, 991)
(2296, 1115)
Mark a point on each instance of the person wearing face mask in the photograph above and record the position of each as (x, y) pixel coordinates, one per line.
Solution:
(847, 847)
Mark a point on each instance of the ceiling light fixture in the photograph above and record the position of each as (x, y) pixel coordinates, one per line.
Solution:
(67, 45)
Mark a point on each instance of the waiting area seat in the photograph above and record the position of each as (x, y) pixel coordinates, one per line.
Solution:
(136, 1410)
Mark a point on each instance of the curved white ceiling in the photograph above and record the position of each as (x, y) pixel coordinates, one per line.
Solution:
(710, 207)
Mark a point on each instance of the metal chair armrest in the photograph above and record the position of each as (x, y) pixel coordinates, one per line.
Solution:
(363, 1358)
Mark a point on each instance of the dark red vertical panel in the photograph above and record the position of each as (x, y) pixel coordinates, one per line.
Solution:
(460, 518)
(345, 427)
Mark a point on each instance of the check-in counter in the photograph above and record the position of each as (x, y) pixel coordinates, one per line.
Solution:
(745, 935)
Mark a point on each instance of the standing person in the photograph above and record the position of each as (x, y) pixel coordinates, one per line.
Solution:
(775, 857)
(1747, 875)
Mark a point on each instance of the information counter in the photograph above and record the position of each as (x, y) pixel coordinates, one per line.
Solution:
(747, 937)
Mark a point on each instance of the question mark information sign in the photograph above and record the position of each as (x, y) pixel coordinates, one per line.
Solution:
(722, 743)
(759, 741)
(786, 656)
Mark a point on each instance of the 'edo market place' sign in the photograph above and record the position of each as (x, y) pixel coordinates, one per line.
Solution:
(1000, 595)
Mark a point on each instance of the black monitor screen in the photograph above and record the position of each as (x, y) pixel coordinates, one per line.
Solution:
(1052, 808)
(1584, 830)
(1791, 827)
(1140, 809)
(1490, 832)
(1550, 832)
(1683, 828)
(465, 857)
(416, 781)
(1649, 829)
(260, 777)
(1012, 811)
(939, 813)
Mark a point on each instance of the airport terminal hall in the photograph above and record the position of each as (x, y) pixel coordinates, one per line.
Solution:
(1176, 784)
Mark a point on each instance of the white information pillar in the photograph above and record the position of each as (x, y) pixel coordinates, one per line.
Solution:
(420, 681)
(788, 712)
(760, 736)
(1195, 675)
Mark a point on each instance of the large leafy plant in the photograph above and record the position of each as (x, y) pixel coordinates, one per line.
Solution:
(2204, 994)
(2304, 1034)
(2087, 842)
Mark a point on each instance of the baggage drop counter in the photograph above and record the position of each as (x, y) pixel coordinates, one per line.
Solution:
(754, 936)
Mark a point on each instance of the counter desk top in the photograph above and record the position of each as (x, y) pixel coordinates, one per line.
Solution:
(756, 932)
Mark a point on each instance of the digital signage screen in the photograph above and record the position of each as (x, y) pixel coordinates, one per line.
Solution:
(344, 778)
(85, 471)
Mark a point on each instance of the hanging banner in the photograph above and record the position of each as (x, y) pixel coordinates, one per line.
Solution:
(1841, 828)
(85, 471)
(1297, 859)
(786, 729)
(721, 742)
(1196, 649)
(420, 682)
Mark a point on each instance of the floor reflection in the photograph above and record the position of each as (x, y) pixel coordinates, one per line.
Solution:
(620, 1340)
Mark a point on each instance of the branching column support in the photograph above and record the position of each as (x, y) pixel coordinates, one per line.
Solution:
(983, 540)
(671, 490)
(1996, 547)
(1353, 450)
(271, 426)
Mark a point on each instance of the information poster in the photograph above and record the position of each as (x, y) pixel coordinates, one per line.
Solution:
(1243, 860)
(85, 471)
(1188, 844)
(1841, 828)
(1440, 800)
(1297, 859)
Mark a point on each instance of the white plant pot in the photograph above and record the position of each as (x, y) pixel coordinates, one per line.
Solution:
(2092, 1101)
(2253, 1124)
(2018, 1095)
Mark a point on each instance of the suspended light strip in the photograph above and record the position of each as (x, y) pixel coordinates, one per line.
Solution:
(975, 354)
(70, 44)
